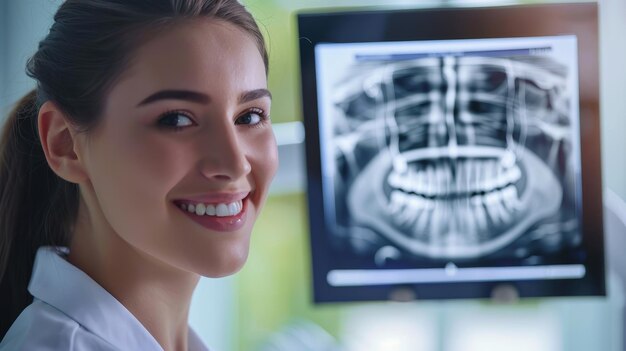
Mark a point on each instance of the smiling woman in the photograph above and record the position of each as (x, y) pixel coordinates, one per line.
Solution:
(139, 164)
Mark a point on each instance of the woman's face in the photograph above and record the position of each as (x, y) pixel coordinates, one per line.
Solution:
(185, 131)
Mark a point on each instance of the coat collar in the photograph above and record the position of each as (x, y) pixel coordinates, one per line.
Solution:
(65, 287)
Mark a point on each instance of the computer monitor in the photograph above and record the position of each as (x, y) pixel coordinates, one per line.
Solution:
(451, 152)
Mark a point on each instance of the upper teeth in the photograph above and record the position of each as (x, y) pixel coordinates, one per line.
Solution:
(471, 177)
(219, 210)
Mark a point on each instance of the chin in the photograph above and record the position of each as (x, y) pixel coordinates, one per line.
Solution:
(225, 263)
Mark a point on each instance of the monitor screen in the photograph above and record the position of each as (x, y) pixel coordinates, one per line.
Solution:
(445, 159)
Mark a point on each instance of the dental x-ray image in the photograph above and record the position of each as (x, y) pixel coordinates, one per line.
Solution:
(448, 154)
(453, 153)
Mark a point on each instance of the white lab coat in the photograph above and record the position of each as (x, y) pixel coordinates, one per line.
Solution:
(71, 312)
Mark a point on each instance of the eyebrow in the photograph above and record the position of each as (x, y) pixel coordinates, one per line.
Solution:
(176, 95)
(254, 94)
(201, 98)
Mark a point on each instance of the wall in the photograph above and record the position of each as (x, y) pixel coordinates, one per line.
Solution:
(613, 93)
(24, 23)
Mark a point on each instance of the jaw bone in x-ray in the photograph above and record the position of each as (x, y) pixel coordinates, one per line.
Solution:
(455, 157)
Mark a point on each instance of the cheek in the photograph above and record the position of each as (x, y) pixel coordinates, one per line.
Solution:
(146, 156)
(264, 159)
(133, 173)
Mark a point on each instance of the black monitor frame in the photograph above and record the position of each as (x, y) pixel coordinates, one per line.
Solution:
(459, 23)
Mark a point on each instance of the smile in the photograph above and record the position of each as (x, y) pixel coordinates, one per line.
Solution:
(218, 210)
(223, 213)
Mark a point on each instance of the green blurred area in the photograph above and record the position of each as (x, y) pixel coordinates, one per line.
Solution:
(278, 26)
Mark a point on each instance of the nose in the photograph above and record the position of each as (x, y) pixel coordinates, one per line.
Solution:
(224, 157)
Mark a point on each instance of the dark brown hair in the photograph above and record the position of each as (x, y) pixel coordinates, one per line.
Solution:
(89, 45)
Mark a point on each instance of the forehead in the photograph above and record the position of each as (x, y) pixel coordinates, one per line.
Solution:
(206, 55)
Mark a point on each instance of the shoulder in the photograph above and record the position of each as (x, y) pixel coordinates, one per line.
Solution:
(41, 327)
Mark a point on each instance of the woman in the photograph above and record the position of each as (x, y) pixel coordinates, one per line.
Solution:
(139, 164)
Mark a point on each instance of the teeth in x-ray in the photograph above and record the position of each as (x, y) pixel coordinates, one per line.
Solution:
(412, 206)
(439, 181)
(396, 202)
(421, 228)
(511, 176)
(508, 159)
(466, 220)
(479, 212)
(493, 202)
(416, 205)
(473, 213)
(510, 198)
(488, 181)
(412, 211)
(454, 175)
(440, 222)
(431, 178)
(401, 201)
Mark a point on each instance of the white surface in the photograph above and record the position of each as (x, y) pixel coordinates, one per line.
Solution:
(391, 327)
(511, 330)
(363, 277)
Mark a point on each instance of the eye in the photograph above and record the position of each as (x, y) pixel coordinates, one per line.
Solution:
(252, 117)
(175, 119)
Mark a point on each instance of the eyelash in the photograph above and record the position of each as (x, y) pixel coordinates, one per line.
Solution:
(264, 118)
(172, 113)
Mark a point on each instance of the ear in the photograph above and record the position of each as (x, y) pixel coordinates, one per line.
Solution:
(59, 141)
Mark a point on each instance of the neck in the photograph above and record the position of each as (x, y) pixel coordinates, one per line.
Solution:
(157, 294)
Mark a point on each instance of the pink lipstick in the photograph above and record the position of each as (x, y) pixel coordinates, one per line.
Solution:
(218, 212)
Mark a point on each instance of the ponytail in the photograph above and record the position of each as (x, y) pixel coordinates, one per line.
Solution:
(36, 207)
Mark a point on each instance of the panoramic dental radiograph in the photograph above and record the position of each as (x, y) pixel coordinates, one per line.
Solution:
(455, 158)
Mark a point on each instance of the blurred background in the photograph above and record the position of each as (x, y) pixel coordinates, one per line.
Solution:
(268, 305)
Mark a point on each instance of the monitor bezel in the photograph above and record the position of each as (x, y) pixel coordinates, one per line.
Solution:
(579, 19)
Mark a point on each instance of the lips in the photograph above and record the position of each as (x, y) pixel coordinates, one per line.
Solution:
(225, 212)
